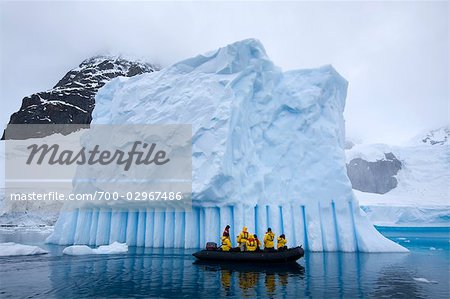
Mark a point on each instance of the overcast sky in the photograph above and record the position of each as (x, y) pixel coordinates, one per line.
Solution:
(395, 55)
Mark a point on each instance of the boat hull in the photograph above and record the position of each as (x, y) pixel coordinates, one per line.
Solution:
(287, 256)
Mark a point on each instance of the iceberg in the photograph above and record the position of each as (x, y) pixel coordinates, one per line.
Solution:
(267, 151)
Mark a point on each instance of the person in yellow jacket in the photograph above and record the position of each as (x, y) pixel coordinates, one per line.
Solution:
(242, 238)
(268, 240)
(226, 243)
(251, 244)
(281, 242)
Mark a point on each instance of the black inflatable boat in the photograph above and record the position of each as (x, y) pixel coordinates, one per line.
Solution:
(287, 256)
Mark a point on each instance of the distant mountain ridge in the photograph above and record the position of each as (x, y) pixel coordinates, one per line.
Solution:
(382, 168)
(439, 136)
(72, 99)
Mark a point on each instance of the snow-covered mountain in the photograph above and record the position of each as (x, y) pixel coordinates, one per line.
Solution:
(421, 195)
(439, 136)
(268, 151)
(71, 100)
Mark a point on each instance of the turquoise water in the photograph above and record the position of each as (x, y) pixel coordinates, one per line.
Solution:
(164, 273)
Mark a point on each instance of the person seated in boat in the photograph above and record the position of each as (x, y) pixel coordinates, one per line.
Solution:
(251, 244)
(258, 243)
(268, 240)
(226, 243)
(281, 242)
(242, 238)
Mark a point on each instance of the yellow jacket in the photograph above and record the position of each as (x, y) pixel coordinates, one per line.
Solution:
(252, 245)
(226, 243)
(243, 236)
(268, 240)
(281, 242)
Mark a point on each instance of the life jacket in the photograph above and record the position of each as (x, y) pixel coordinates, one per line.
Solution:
(243, 237)
(268, 240)
(252, 244)
(281, 242)
(226, 244)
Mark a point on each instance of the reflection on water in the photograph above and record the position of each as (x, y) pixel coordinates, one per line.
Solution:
(393, 280)
(174, 273)
(255, 279)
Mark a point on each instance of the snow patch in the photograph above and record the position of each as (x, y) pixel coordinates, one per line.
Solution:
(368, 152)
(56, 102)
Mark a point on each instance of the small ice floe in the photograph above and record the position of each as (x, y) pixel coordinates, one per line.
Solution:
(432, 248)
(13, 249)
(113, 248)
(78, 250)
(404, 240)
(424, 280)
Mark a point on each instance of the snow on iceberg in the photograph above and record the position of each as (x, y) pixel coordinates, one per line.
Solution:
(268, 150)
(113, 248)
(12, 249)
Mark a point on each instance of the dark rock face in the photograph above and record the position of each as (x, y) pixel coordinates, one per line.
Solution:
(348, 145)
(72, 99)
(374, 177)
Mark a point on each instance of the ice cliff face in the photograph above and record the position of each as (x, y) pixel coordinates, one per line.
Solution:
(268, 150)
(255, 128)
(71, 100)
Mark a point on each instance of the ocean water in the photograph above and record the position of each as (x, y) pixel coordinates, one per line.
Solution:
(174, 273)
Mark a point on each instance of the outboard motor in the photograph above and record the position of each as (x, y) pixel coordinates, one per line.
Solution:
(211, 246)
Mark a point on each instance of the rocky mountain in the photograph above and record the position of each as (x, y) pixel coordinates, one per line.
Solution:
(71, 100)
(374, 177)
